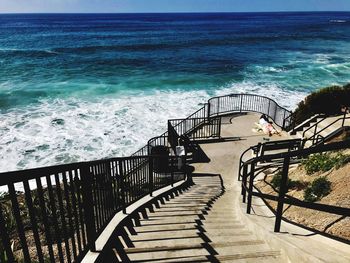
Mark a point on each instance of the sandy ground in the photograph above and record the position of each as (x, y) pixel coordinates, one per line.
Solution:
(340, 196)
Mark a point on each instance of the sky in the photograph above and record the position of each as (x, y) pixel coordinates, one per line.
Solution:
(155, 6)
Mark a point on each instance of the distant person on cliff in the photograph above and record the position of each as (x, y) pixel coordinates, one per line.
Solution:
(267, 125)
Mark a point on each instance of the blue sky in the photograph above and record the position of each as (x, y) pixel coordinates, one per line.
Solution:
(134, 6)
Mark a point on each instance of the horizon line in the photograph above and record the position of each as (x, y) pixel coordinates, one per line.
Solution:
(181, 12)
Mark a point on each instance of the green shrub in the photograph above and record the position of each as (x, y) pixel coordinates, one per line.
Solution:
(319, 188)
(342, 159)
(319, 162)
(277, 178)
(326, 100)
(347, 135)
(324, 162)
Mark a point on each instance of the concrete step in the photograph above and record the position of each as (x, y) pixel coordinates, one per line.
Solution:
(227, 232)
(323, 133)
(199, 225)
(152, 228)
(159, 213)
(211, 227)
(165, 234)
(169, 242)
(224, 248)
(169, 253)
(261, 256)
(167, 221)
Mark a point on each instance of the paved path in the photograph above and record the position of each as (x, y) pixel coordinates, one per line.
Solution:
(205, 222)
(202, 224)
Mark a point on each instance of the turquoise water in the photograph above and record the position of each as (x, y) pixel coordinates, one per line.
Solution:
(81, 87)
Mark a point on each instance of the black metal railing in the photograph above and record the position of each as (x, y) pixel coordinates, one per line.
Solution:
(317, 137)
(206, 122)
(250, 103)
(155, 141)
(56, 213)
(211, 128)
(251, 168)
(273, 146)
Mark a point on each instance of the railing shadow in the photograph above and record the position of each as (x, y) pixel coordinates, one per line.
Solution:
(314, 230)
(188, 225)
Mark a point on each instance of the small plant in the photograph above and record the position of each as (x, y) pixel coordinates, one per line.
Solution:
(342, 159)
(319, 188)
(324, 162)
(319, 162)
(277, 178)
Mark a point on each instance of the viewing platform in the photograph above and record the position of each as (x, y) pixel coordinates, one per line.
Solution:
(207, 221)
(160, 205)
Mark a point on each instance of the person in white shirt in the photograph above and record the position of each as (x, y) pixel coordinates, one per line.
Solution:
(267, 125)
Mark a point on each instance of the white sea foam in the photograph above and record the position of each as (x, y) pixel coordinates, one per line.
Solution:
(344, 67)
(62, 131)
(268, 69)
(322, 58)
(338, 21)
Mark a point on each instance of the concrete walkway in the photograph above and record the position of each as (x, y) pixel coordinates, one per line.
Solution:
(197, 226)
(201, 224)
(206, 223)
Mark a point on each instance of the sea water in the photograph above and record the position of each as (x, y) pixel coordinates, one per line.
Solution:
(77, 87)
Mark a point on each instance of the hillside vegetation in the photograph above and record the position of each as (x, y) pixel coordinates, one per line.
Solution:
(326, 100)
(321, 178)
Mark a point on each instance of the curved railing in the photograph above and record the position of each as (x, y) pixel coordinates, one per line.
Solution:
(249, 103)
(211, 111)
(248, 170)
(221, 105)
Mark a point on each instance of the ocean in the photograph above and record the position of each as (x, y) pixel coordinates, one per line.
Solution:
(77, 87)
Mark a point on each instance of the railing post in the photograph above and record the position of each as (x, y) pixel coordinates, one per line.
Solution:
(282, 193)
(313, 136)
(344, 117)
(218, 106)
(150, 174)
(219, 127)
(88, 205)
(240, 107)
(122, 186)
(250, 190)
(244, 182)
(169, 137)
(208, 111)
(172, 170)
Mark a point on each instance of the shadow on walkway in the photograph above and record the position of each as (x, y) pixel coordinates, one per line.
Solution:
(170, 229)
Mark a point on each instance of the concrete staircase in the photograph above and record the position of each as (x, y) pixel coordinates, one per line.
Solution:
(322, 128)
(199, 225)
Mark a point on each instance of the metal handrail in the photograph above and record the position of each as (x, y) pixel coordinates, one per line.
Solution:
(271, 109)
(241, 162)
(249, 168)
(318, 133)
(77, 201)
(239, 94)
(302, 152)
(251, 103)
(314, 126)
